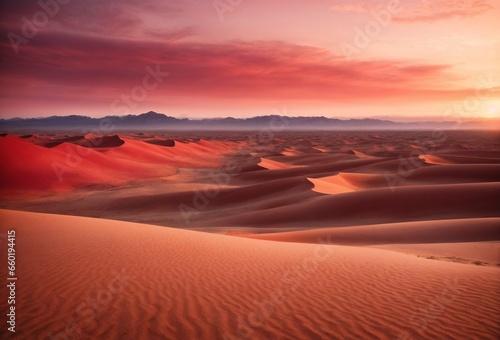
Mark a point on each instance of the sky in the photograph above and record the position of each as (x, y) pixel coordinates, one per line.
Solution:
(399, 59)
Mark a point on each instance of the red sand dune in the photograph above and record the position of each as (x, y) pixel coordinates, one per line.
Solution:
(269, 164)
(50, 143)
(101, 142)
(109, 279)
(461, 159)
(445, 231)
(412, 249)
(96, 160)
(433, 159)
(315, 159)
(162, 142)
(332, 185)
(290, 152)
(406, 203)
(360, 154)
(67, 166)
(454, 173)
(475, 253)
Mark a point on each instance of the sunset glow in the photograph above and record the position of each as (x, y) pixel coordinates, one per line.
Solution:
(335, 58)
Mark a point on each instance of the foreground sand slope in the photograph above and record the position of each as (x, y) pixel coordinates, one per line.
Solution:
(108, 279)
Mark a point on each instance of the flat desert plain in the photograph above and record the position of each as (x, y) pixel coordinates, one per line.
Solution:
(253, 235)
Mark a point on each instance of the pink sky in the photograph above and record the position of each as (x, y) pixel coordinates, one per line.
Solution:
(413, 58)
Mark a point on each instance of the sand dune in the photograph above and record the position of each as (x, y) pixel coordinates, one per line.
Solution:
(433, 159)
(37, 174)
(65, 167)
(50, 143)
(445, 231)
(449, 174)
(321, 149)
(84, 161)
(471, 241)
(162, 142)
(315, 158)
(459, 159)
(269, 164)
(100, 141)
(332, 185)
(361, 155)
(410, 222)
(303, 171)
(411, 203)
(366, 191)
(456, 173)
(141, 281)
(472, 253)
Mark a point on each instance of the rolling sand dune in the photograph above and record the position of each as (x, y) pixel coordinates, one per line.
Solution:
(432, 159)
(302, 171)
(366, 191)
(341, 235)
(361, 155)
(332, 185)
(475, 253)
(315, 159)
(55, 142)
(403, 204)
(472, 241)
(65, 167)
(446, 231)
(456, 173)
(162, 142)
(449, 174)
(290, 152)
(141, 281)
(321, 149)
(101, 142)
(85, 161)
(272, 165)
(455, 159)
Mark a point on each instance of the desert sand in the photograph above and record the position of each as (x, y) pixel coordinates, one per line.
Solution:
(108, 279)
(298, 235)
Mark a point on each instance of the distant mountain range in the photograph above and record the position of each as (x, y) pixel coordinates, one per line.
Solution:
(158, 121)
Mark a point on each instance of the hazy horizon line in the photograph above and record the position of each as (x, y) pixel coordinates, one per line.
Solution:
(406, 119)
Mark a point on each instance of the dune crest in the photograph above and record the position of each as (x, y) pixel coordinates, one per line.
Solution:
(332, 185)
(432, 159)
(269, 164)
(361, 155)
